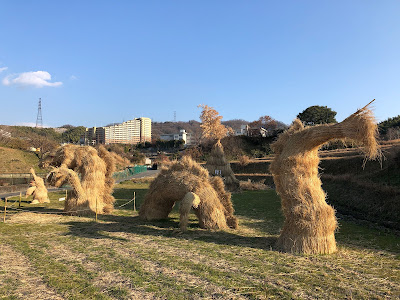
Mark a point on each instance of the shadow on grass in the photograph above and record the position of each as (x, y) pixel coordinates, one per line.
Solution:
(168, 228)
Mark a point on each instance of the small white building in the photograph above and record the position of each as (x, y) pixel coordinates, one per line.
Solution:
(182, 135)
(244, 129)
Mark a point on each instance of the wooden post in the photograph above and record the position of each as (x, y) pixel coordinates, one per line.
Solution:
(134, 201)
(5, 210)
(20, 196)
(96, 209)
(66, 194)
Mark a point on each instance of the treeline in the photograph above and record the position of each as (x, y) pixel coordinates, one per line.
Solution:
(192, 126)
(390, 128)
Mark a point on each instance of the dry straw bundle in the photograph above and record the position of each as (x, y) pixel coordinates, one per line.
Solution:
(37, 189)
(310, 222)
(217, 165)
(89, 172)
(188, 182)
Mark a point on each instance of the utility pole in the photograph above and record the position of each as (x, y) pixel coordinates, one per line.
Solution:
(39, 121)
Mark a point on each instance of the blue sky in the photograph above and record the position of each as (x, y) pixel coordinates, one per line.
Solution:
(99, 62)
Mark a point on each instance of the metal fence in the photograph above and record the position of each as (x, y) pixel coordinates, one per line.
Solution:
(129, 172)
(11, 179)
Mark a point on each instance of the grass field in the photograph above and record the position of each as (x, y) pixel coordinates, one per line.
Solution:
(47, 255)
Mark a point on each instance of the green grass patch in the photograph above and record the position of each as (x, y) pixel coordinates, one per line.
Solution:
(121, 256)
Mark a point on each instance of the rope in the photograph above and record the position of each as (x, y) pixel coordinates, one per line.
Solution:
(11, 207)
(125, 203)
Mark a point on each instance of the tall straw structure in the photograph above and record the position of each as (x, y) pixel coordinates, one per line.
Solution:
(37, 189)
(90, 174)
(188, 182)
(310, 222)
(218, 165)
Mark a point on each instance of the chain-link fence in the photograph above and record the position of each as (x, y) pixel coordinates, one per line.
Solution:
(129, 172)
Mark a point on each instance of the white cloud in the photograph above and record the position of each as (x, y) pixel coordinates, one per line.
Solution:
(3, 69)
(37, 79)
(30, 124)
(73, 77)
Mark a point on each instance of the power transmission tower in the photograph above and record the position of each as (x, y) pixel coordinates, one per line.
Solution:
(39, 121)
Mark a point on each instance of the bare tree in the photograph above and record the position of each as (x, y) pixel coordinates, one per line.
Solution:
(211, 126)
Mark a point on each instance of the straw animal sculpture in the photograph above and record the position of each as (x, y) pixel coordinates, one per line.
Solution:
(37, 189)
(217, 165)
(89, 172)
(310, 222)
(188, 182)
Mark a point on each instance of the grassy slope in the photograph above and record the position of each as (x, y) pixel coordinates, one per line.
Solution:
(122, 257)
(17, 161)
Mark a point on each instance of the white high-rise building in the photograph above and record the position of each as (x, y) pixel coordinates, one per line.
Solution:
(133, 131)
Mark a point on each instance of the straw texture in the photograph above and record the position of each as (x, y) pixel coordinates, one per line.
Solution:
(37, 189)
(217, 165)
(188, 182)
(90, 174)
(310, 222)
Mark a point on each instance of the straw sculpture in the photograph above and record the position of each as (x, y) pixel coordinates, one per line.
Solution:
(188, 182)
(89, 172)
(310, 222)
(37, 189)
(217, 165)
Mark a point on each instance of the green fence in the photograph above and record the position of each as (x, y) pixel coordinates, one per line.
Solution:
(129, 172)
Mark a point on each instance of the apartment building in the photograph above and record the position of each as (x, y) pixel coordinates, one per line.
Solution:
(133, 131)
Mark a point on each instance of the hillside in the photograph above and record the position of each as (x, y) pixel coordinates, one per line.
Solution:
(17, 161)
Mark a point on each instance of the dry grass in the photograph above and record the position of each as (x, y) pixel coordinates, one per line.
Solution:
(244, 160)
(123, 257)
(253, 186)
(17, 161)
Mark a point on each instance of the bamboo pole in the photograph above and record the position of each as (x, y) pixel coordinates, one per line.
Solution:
(96, 209)
(20, 197)
(134, 201)
(5, 210)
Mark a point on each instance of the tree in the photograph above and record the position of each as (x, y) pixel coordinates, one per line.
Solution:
(211, 124)
(264, 122)
(389, 123)
(73, 134)
(317, 115)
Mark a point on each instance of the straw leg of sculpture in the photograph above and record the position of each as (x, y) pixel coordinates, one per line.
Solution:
(190, 200)
(309, 225)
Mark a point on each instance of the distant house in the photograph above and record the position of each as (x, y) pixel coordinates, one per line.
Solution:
(243, 130)
(187, 137)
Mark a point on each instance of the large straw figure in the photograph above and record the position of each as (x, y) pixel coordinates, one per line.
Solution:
(213, 131)
(310, 222)
(37, 189)
(218, 165)
(188, 182)
(89, 172)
